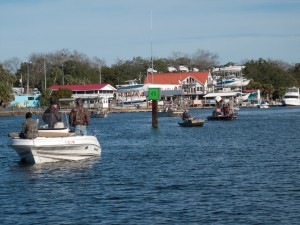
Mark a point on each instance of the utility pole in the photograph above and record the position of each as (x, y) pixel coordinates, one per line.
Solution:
(100, 73)
(27, 88)
(45, 75)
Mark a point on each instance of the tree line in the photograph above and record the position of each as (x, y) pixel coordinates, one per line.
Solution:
(65, 67)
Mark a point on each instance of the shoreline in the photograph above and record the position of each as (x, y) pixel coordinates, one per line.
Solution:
(23, 111)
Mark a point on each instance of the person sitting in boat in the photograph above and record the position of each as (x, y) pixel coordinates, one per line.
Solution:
(52, 115)
(79, 118)
(29, 128)
(225, 109)
(186, 116)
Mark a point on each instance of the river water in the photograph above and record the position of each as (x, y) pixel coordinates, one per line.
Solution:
(228, 172)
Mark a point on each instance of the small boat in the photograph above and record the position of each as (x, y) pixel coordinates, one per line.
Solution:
(99, 114)
(219, 116)
(228, 117)
(263, 105)
(53, 145)
(170, 112)
(192, 123)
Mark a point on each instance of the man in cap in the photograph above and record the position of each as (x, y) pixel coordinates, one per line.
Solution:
(52, 114)
(79, 118)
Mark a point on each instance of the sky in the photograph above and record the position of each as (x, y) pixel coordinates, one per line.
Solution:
(235, 30)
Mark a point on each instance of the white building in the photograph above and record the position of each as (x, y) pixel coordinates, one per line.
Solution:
(93, 94)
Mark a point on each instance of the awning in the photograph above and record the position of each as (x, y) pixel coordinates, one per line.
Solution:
(222, 94)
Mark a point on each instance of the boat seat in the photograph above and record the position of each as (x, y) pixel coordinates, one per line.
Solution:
(59, 125)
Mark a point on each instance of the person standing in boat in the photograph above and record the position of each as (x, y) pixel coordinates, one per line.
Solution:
(79, 118)
(29, 128)
(231, 106)
(52, 115)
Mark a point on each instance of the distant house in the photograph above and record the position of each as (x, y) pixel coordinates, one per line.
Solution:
(25, 100)
(193, 84)
(93, 94)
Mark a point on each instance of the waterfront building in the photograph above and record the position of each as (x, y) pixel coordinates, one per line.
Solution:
(94, 95)
(194, 85)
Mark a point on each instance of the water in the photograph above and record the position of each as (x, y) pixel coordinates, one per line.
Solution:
(227, 172)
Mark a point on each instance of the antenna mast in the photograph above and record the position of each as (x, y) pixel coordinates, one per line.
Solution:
(151, 51)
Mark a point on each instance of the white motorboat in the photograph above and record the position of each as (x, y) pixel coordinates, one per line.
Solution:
(233, 82)
(56, 144)
(291, 97)
(263, 105)
(99, 113)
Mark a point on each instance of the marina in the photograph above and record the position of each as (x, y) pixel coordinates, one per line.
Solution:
(239, 172)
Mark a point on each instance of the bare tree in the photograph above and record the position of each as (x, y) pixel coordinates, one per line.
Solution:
(204, 59)
(12, 64)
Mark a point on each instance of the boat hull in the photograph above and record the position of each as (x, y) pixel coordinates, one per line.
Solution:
(291, 102)
(192, 123)
(230, 117)
(176, 113)
(291, 97)
(44, 150)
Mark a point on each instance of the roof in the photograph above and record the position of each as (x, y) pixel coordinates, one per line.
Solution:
(81, 87)
(174, 78)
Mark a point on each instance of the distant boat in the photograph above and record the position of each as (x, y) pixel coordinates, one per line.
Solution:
(172, 69)
(149, 70)
(183, 69)
(221, 117)
(130, 85)
(291, 97)
(233, 81)
(99, 114)
(192, 123)
(263, 105)
(130, 93)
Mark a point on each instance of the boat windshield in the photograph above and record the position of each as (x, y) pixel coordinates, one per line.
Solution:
(49, 121)
(293, 90)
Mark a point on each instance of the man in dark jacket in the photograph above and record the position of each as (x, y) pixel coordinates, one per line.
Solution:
(29, 128)
(52, 114)
(186, 116)
(79, 118)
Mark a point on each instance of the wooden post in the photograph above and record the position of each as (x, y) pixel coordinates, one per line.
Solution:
(154, 114)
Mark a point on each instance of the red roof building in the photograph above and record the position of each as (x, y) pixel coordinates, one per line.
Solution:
(193, 83)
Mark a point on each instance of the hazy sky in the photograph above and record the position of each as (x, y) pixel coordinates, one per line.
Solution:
(235, 30)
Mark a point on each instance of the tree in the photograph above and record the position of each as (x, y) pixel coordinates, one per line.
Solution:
(267, 91)
(62, 93)
(45, 97)
(271, 74)
(12, 64)
(5, 94)
(204, 60)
